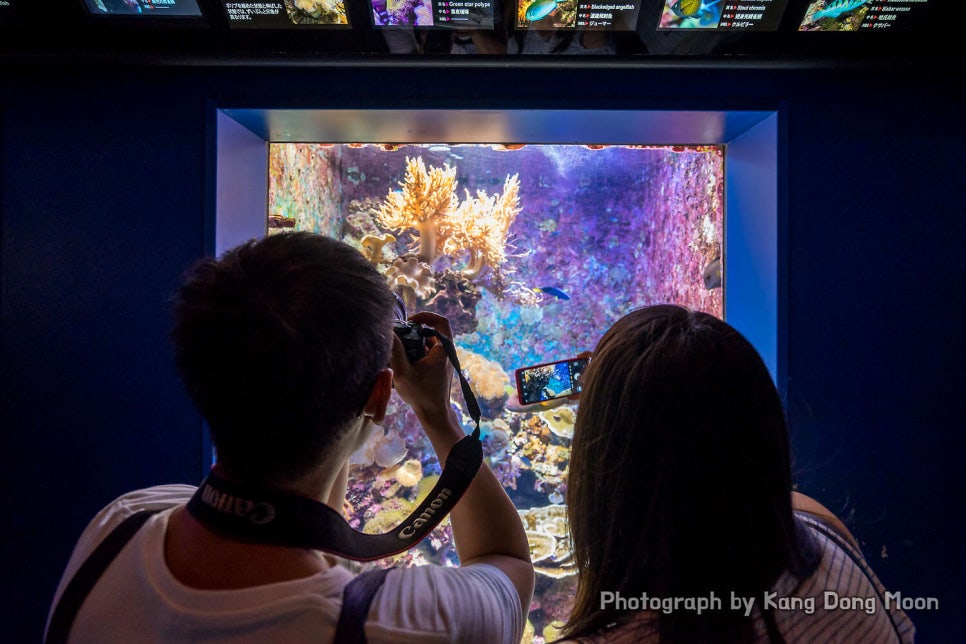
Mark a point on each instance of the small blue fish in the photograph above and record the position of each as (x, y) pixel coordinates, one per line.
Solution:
(706, 13)
(556, 292)
(540, 9)
(526, 461)
(835, 8)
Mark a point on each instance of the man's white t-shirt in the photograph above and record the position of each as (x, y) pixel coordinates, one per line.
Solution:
(138, 599)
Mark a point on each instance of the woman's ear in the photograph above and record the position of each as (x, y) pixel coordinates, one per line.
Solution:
(379, 397)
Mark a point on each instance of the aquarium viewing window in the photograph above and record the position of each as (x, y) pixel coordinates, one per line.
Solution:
(532, 242)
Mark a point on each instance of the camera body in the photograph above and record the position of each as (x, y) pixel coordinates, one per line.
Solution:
(412, 337)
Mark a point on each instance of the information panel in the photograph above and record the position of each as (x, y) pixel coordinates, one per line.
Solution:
(864, 15)
(284, 14)
(145, 8)
(723, 15)
(591, 15)
(455, 14)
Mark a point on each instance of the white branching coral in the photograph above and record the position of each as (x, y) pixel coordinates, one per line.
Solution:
(426, 198)
(479, 225)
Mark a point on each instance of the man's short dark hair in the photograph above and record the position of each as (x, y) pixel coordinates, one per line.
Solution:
(279, 342)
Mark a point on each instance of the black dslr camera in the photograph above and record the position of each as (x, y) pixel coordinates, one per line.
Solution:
(413, 337)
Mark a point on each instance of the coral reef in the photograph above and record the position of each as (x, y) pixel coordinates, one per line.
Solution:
(641, 224)
(497, 441)
(360, 219)
(402, 12)
(542, 546)
(558, 598)
(425, 486)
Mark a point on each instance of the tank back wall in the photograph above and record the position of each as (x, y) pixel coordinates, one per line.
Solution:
(106, 196)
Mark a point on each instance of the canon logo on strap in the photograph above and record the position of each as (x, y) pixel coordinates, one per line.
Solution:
(409, 530)
(256, 512)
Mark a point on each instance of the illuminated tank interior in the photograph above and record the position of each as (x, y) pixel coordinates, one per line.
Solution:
(532, 252)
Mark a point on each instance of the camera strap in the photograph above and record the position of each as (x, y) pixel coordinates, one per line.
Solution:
(272, 516)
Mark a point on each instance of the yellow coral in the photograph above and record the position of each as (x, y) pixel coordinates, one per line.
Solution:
(425, 486)
(486, 376)
(560, 420)
(410, 472)
(392, 513)
(373, 245)
(553, 631)
(528, 633)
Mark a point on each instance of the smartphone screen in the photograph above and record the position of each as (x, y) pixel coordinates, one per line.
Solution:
(551, 380)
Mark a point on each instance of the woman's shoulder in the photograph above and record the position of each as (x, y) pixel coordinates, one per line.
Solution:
(635, 628)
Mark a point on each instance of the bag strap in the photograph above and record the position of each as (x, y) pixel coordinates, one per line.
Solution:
(356, 600)
(87, 575)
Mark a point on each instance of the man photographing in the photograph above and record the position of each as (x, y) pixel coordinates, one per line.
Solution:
(283, 345)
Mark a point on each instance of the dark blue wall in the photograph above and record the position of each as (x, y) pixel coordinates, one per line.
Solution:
(105, 193)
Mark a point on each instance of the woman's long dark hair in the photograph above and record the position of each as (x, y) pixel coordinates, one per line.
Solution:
(680, 479)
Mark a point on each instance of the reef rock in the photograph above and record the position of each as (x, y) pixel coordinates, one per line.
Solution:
(542, 546)
(545, 523)
(456, 300)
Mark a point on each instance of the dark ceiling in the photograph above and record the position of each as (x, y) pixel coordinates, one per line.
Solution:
(55, 29)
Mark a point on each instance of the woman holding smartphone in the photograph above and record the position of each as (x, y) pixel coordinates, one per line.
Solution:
(684, 523)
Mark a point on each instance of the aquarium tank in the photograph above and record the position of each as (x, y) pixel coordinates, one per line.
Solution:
(532, 252)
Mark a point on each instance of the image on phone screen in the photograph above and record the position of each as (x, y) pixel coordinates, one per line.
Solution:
(548, 381)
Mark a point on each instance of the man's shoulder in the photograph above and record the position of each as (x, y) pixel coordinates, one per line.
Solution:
(158, 497)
